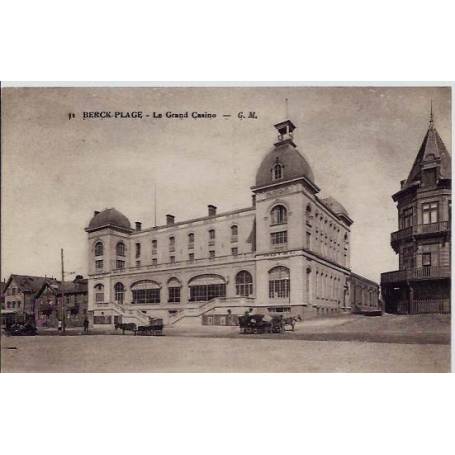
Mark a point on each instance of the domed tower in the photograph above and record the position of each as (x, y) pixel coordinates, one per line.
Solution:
(284, 187)
(108, 236)
(284, 194)
(422, 241)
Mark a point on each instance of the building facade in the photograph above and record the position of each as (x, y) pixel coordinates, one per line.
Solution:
(422, 242)
(19, 297)
(289, 252)
(48, 303)
(364, 295)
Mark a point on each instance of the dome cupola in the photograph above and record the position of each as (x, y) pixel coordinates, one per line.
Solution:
(284, 162)
(109, 218)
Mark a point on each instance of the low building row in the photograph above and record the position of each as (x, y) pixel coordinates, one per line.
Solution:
(39, 299)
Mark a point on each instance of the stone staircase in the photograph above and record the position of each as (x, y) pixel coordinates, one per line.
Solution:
(197, 310)
(129, 315)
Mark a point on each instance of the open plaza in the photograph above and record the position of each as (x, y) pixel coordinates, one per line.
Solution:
(350, 343)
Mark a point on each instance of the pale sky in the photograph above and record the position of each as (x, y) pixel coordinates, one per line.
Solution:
(360, 142)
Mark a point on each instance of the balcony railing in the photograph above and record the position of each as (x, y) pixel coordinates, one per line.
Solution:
(423, 273)
(440, 226)
(420, 229)
(200, 262)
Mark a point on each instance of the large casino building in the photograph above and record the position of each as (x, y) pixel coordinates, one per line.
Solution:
(289, 253)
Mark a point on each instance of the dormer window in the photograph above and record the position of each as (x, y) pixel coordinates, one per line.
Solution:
(277, 171)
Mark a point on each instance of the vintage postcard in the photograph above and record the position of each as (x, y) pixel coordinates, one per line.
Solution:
(226, 229)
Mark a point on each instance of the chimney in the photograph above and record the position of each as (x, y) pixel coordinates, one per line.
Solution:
(170, 219)
(253, 200)
(95, 212)
(212, 210)
(138, 226)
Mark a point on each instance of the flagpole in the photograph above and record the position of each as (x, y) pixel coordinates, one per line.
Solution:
(63, 295)
(154, 195)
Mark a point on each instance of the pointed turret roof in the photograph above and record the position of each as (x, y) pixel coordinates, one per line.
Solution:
(432, 150)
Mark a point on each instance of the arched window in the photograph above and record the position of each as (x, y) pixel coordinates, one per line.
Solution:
(279, 215)
(277, 171)
(212, 234)
(99, 293)
(120, 249)
(119, 290)
(234, 233)
(244, 283)
(191, 240)
(99, 249)
(206, 287)
(279, 283)
(146, 291)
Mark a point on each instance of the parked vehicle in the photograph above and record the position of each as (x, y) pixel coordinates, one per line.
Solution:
(155, 328)
(26, 329)
(255, 323)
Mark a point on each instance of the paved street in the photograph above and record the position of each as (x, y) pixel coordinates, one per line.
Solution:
(404, 345)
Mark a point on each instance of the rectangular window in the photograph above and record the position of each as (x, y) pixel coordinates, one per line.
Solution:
(234, 251)
(172, 258)
(171, 243)
(99, 265)
(120, 264)
(426, 259)
(308, 240)
(279, 289)
(430, 213)
(141, 296)
(154, 261)
(174, 295)
(138, 263)
(408, 258)
(191, 257)
(211, 254)
(99, 297)
(138, 249)
(406, 219)
(14, 291)
(279, 238)
(102, 319)
(154, 246)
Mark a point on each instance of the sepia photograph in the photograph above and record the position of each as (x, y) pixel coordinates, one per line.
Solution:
(226, 229)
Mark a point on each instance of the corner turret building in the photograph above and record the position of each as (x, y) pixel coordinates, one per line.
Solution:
(289, 252)
(422, 242)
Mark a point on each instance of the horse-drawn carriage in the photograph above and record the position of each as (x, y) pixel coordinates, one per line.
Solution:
(256, 323)
(154, 328)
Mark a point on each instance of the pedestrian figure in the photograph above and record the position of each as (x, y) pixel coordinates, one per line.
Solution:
(85, 325)
(59, 325)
